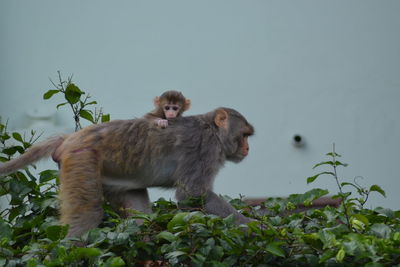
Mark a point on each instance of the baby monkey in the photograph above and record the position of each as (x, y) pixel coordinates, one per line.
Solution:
(169, 105)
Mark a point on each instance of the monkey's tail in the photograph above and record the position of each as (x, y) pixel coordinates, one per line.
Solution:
(36, 152)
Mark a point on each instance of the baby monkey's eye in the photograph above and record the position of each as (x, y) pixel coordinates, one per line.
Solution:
(174, 108)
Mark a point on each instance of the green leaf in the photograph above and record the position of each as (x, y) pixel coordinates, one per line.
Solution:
(167, 236)
(61, 251)
(50, 93)
(361, 218)
(357, 224)
(198, 259)
(73, 93)
(175, 254)
(5, 136)
(377, 188)
(217, 252)
(373, 264)
(11, 150)
(327, 238)
(352, 246)
(3, 191)
(6, 230)
(331, 163)
(16, 211)
(48, 175)
(86, 115)
(396, 236)
(56, 232)
(308, 196)
(350, 184)
(121, 238)
(386, 212)
(95, 237)
(255, 227)
(114, 262)
(17, 137)
(105, 117)
(87, 252)
(177, 220)
(323, 163)
(32, 262)
(91, 103)
(49, 203)
(62, 104)
(381, 230)
(338, 163)
(328, 254)
(129, 226)
(27, 144)
(340, 255)
(312, 178)
(19, 189)
(275, 249)
(333, 154)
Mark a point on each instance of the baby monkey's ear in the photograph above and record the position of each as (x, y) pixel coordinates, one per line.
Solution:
(157, 101)
(187, 104)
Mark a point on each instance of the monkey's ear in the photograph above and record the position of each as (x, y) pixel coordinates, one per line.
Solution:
(187, 104)
(157, 101)
(221, 118)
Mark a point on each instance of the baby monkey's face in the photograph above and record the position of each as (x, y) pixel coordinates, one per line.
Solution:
(171, 110)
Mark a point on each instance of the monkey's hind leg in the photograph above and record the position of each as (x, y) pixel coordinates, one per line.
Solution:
(81, 191)
(125, 201)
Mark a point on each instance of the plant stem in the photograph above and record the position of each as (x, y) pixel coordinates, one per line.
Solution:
(344, 200)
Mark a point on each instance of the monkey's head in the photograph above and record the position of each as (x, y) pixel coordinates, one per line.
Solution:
(234, 131)
(171, 104)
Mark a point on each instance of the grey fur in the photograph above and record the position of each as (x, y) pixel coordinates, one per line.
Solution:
(121, 159)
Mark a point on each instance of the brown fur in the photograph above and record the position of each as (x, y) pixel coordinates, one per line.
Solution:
(168, 97)
(121, 159)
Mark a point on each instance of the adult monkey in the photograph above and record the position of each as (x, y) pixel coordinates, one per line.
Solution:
(121, 159)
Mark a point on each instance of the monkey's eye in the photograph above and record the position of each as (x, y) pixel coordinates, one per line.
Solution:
(174, 108)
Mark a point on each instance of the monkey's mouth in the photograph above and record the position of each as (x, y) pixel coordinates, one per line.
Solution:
(236, 158)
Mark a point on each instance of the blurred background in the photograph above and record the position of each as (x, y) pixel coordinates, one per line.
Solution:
(328, 71)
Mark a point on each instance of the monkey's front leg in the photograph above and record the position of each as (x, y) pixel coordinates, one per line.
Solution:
(124, 201)
(215, 205)
(161, 123)
(218, 206)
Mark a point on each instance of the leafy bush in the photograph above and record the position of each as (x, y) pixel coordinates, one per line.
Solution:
(350, 235)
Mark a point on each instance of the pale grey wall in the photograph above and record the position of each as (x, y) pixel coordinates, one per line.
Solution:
(328, 70)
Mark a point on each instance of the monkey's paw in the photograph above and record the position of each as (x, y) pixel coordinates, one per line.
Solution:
(162, 123)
